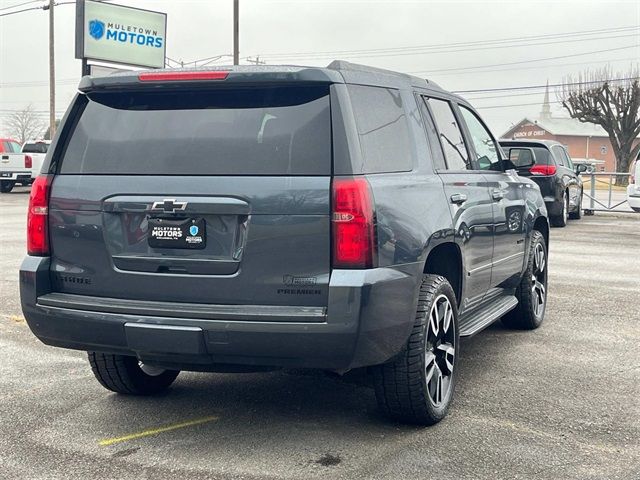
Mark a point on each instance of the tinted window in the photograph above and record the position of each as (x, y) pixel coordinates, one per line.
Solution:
(450, 135)
(486, 151)
(251, 131)
(38, 147)
(383, 130)
(432, 136)
(559, 154)
(542, 155)
(565, 158)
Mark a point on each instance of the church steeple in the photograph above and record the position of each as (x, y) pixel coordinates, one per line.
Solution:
(546, 107)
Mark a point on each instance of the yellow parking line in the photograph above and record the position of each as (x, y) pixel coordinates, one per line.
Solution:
(156, 431)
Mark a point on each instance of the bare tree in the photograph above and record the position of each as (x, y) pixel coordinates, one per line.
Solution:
(613, 104)
(25, 124)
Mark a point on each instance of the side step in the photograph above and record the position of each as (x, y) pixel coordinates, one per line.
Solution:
(478, 319)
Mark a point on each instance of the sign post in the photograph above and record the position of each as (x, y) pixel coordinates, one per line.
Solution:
(119, 34)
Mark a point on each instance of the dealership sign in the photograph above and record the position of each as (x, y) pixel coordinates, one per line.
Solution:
(119, 34)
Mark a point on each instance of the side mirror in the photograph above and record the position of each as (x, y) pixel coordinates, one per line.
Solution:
(522, 157)
(582, 168)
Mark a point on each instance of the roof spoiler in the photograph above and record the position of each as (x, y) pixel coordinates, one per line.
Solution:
(207, 76)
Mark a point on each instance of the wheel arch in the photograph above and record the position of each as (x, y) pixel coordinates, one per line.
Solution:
(445, 259)
(541, 224)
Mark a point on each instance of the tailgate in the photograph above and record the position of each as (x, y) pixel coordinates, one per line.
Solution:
(217, 197)
(12, 162)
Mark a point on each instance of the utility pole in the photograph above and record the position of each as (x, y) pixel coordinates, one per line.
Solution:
(236, 32)
(52, 75)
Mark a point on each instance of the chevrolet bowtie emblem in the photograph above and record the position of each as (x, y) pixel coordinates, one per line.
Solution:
(169, 205)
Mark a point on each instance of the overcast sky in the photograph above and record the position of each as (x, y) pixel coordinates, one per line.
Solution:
(409, 36)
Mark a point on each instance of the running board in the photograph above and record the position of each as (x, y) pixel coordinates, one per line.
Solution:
(479, 319)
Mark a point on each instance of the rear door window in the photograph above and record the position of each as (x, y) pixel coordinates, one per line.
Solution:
(451, 139)
(558, 152)
(248, 131)
(566, 160)
(382, 128)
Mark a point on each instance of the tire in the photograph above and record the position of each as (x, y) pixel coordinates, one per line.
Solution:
(124, 374)
(6, 186)
(532, 291)
(410, 387)
(577, 215)
(561, 220)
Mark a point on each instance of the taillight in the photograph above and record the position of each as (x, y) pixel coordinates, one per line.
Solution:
(543, 170)
(28, 161)
(352, 224)
(37, 218)
(182, 76)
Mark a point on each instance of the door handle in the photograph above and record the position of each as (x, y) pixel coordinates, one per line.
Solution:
(497, 195)
(458, 198)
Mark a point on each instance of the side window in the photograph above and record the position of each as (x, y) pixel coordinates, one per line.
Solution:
(558, 153)
(382, 128)
(487, 155)
(451, 139)
(432, 136)
(567, 158)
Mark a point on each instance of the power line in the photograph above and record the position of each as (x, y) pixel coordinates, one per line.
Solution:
(527, 87)
(451, 45)
(19, 5)
(455, 50)
(39, 83)
(530, 61)
(511, 105)
(20, 11)
(474, 72)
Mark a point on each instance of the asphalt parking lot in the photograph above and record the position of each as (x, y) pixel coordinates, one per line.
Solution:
(562, 402)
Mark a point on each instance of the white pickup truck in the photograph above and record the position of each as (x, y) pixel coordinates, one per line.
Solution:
(22, 167)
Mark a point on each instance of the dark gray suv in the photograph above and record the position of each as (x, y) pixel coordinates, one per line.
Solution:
(259, 217)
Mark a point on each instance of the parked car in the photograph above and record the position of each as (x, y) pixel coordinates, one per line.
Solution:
(9, 145)
(37, 150)
(555, 174)
(251, 218)
(14, 166)
(22, 167)
(633, 189)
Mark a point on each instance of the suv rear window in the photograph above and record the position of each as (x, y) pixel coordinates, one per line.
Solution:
(37, 147)
(249, 131)
(383, 129)
(543, 155)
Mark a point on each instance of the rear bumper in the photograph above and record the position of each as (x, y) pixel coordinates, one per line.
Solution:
(633, 195)
(16, 176)
(367, 321)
